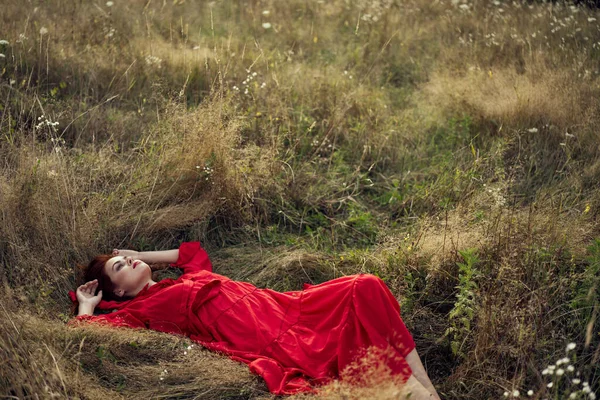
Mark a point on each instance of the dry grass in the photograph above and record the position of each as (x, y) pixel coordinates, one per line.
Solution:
(385, 137)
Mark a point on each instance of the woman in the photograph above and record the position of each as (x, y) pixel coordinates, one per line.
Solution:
(295, 340)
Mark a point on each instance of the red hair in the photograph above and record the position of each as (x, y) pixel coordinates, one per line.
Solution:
(95, 270)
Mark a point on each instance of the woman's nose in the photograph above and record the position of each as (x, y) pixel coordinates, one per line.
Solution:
(129, 260)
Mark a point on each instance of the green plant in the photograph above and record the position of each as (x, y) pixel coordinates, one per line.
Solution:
(463, 313)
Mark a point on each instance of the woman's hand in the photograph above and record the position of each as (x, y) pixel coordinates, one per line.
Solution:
(126, 253)
(85, 294)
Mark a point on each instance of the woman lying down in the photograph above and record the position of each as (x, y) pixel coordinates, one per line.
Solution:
(295, 340)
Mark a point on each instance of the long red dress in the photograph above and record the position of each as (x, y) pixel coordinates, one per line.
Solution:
(294, 340)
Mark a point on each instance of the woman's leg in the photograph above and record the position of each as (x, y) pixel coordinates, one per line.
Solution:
(414, 361)
(414, 390)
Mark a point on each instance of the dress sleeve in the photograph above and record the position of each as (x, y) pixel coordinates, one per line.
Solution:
(192, 258)
(119, 318)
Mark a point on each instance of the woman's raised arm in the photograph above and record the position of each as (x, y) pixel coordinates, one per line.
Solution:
(150, 257)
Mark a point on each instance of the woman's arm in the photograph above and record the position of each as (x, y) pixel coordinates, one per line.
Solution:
(150, 257)
(86, 297)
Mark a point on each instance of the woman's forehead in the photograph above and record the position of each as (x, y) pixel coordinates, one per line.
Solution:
(111, 261)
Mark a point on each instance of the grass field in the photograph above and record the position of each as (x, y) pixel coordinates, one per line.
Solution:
(451, 148)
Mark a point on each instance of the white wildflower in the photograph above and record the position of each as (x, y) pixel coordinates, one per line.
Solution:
(4, 42)
(532, 130)
(573, 395)
(43, 30)
(571, 346)
(266, 12)
(591, 19)
(576, 381)
(570, 368)
(592, 396)
(550, 385)
(505, 394)
(266, 25)
(2, 55)
(560, 372)
(516, 393)
(464, 7)
(109, 4)
(530, 393)
(586, 389)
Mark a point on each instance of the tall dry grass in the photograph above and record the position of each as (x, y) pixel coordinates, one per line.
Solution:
(387, 137)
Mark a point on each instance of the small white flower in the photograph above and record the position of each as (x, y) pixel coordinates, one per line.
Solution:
(12, 82)
(464, 6)
(570, 368)
(592, 396)
(591, 19)
(530, 393)
(185, 353)
(516, 393)
(573, 395)
(4, 42)
(266, 12)
(266, 25)
(576, 381)
(109, 4)
(532, 130)
(505, 394)
(190, 347)
(584, 384)
(2, 55)
(586, 389)
(196, 48)
(43, 30)
(560, 371)
(550, 385)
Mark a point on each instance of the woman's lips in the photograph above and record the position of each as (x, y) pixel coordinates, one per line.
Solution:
(135, 264)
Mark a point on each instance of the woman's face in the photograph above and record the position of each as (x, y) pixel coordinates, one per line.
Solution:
(129, 276)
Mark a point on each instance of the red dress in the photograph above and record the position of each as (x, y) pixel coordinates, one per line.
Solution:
(294, 340)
